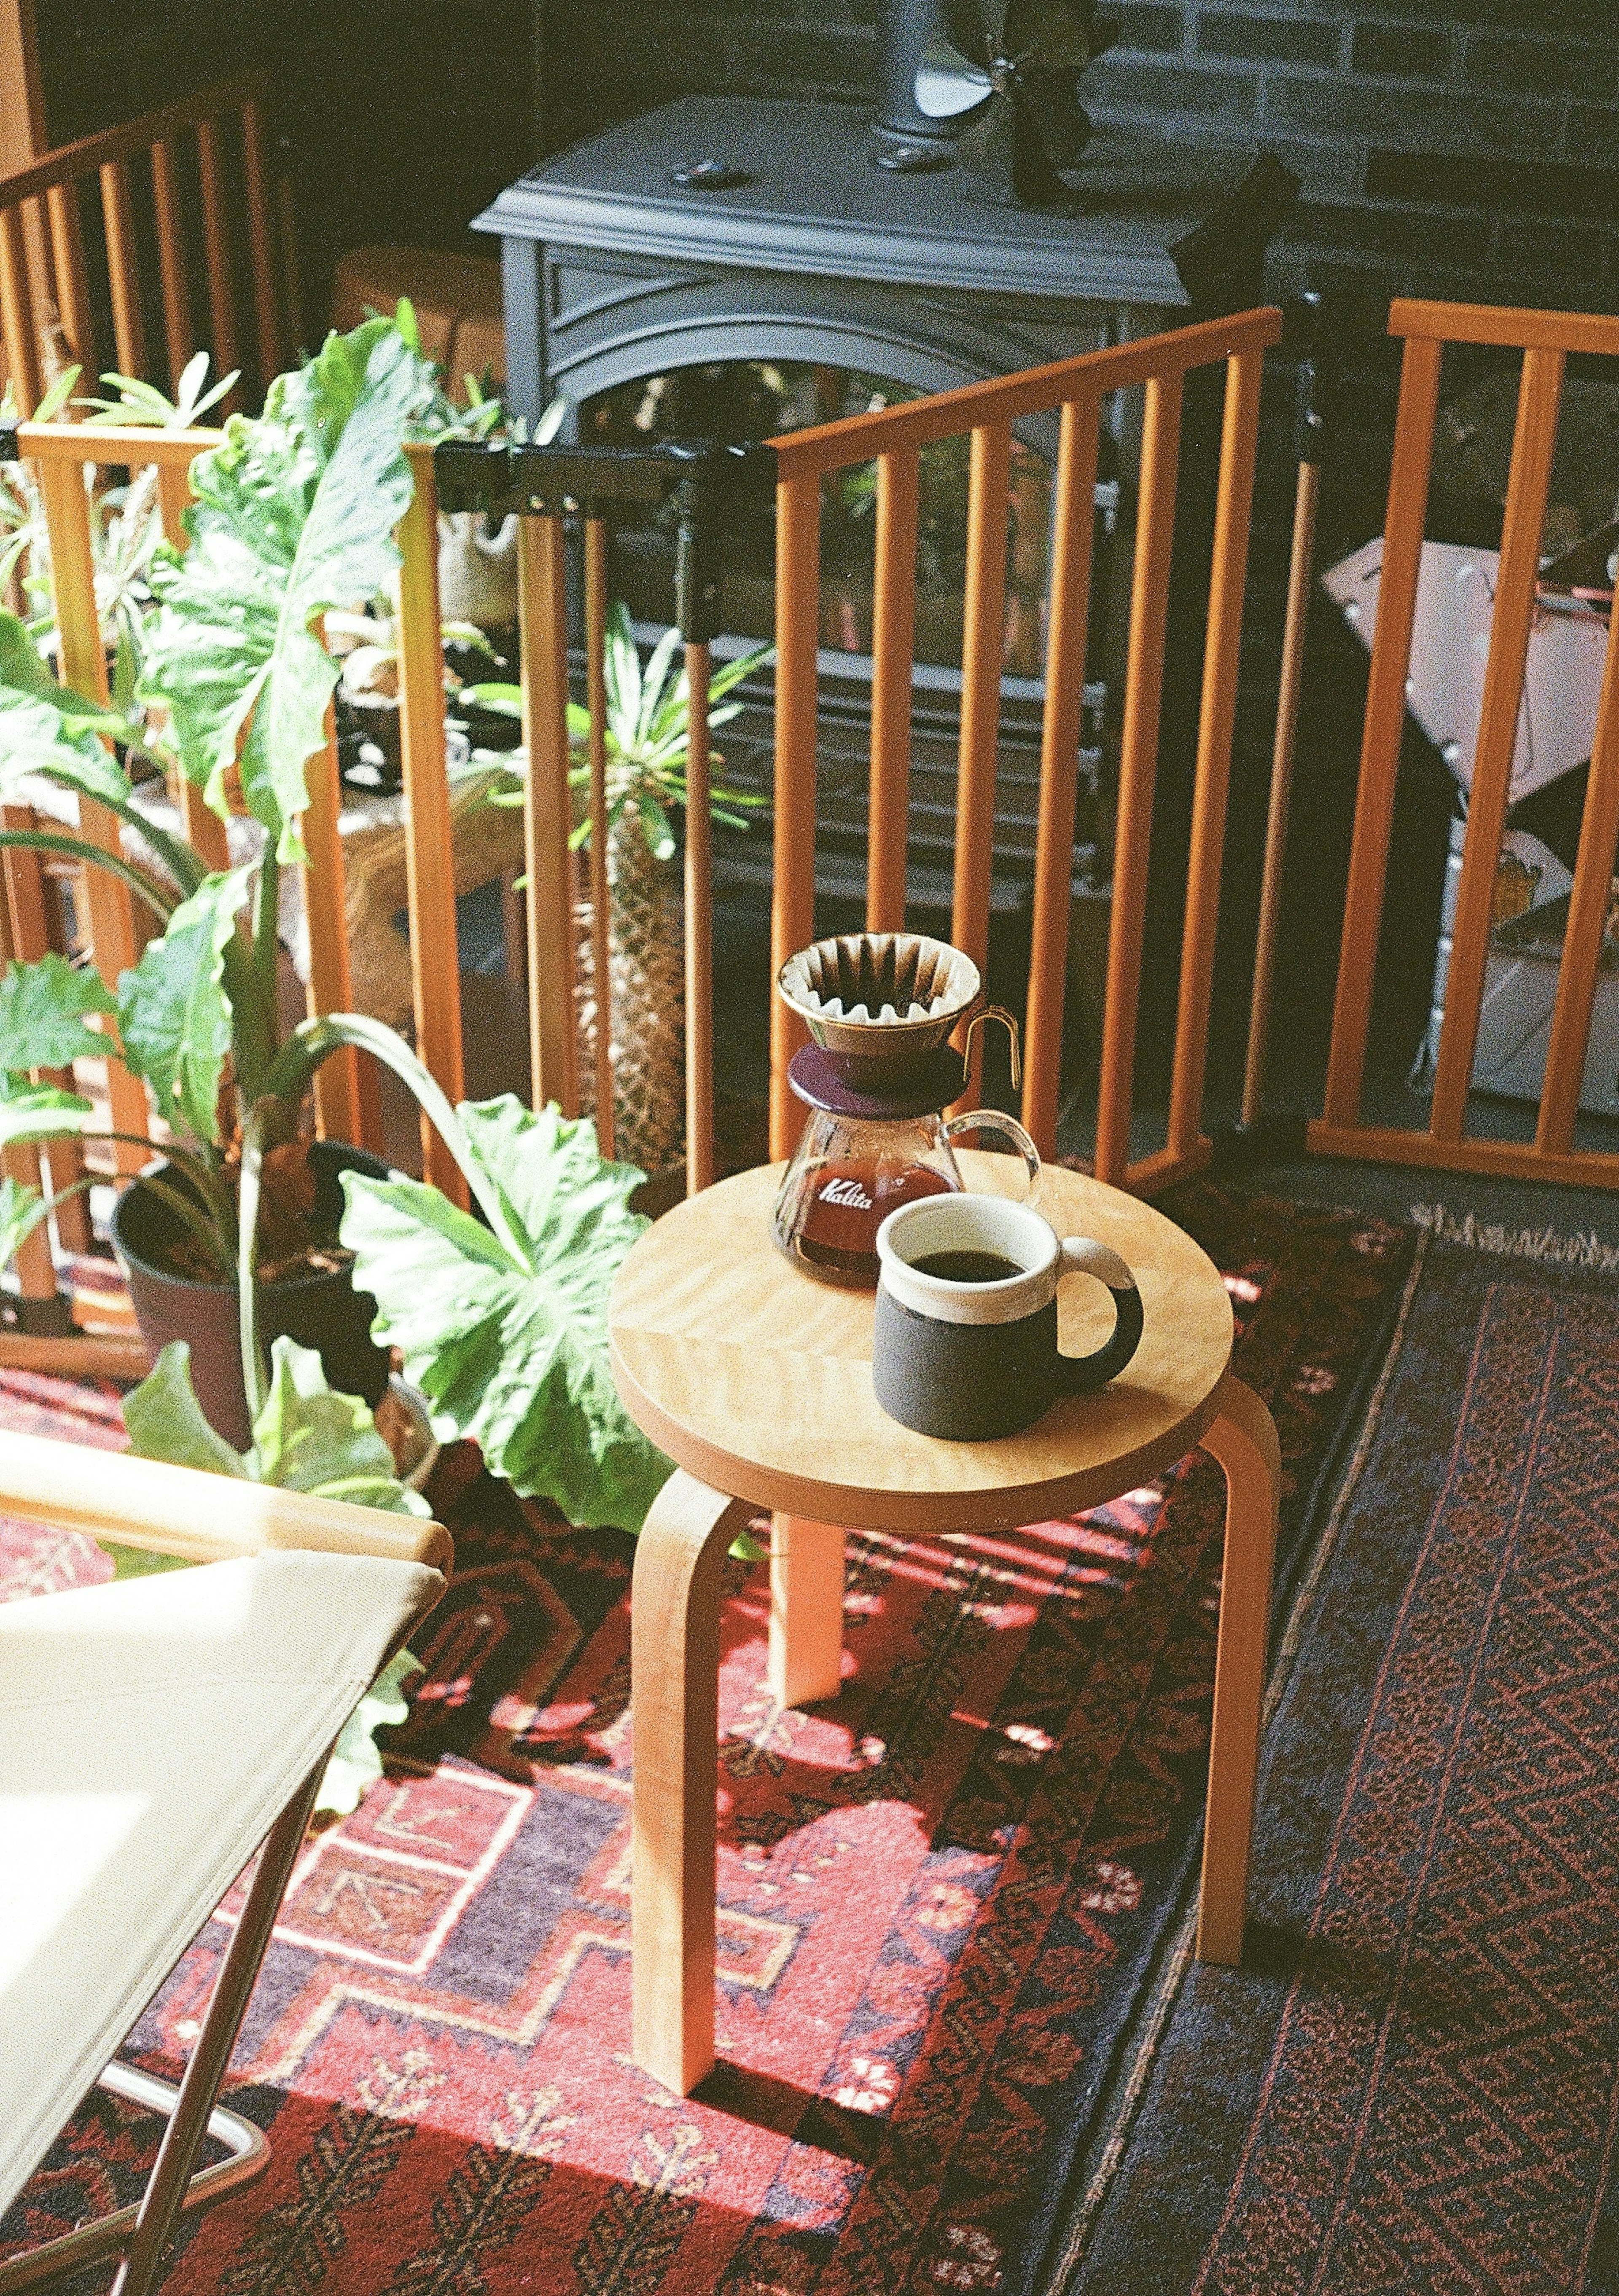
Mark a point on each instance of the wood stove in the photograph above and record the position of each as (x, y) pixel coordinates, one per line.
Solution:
(723, 254)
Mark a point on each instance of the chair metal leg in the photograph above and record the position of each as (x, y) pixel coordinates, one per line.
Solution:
(247, 2157)
(806, 1611)
(165, 2195)
(1242, 1439)
(675, 1702)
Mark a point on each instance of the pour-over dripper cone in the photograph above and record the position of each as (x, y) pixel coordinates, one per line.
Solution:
(882, 998)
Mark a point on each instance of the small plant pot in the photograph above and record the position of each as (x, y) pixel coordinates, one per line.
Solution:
(321, 1310)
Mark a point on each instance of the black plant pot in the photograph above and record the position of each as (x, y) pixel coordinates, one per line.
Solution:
(322, 1311)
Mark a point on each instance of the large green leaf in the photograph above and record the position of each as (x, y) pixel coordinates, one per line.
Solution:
(174, 1015)
(513, 1350)
(295, 514)
(165, 1420)
(43, 1014)
(308, 1439)
(49, 730)
(37, 1112)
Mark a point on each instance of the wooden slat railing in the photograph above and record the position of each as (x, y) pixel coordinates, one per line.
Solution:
(43, 279)
(61, 453)
(1545, 339)
(985, 412)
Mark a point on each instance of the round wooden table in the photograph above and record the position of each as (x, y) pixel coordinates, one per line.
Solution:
(756, 1380)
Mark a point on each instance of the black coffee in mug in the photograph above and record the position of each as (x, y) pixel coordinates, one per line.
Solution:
(965, 1338)
(967, 1266)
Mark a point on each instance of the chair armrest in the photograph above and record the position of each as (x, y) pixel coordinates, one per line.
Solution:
(199, 1517)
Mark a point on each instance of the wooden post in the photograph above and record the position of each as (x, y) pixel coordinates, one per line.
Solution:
(1539, 398)
(601, 937)
(1403, 531)
(1137, 769)
(982, 648)
(216, 251)
(171, 260)
(1227, 578)
(1281, 786)
(430, 864)
(123, 269)
(1074, 525)
(894, 624)
(798, 558)
(542, 609)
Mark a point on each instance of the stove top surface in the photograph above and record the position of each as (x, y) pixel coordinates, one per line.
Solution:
(800, 191)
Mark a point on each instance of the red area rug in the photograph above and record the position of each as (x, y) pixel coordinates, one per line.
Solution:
(1412, 2084)
(941, 1894)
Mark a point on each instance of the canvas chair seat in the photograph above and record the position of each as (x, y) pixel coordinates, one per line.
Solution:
(151, 1731)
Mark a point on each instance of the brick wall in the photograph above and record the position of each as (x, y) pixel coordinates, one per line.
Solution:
(1466, 148)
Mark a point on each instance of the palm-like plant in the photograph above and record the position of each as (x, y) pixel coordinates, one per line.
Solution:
(647, 725)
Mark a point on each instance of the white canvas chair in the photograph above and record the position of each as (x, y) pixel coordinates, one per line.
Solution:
(152, 1734)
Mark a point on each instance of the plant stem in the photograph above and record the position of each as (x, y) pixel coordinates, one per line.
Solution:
(77, 848)
(247, 1258)
(194, 1217)
(311, 1043)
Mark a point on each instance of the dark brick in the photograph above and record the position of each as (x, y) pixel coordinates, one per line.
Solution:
(1542, 68)
(1393, 232)
(1401, 51)
(1569, 18)
(1161, 31)
(1542, 250)
(1499, 187)
(1285, 37)
(1123, 85)
(1593, 135)
(1426, 118)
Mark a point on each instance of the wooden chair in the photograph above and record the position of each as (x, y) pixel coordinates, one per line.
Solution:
(201, 165)
(205, 1703)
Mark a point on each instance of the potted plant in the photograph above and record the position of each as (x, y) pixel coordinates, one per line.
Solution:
(295, 516)
(647, 745)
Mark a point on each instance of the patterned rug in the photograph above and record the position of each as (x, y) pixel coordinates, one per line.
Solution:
(943, 1897)
(1413, 2085)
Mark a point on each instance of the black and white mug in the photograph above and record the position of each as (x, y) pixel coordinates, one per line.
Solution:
(965, 1345)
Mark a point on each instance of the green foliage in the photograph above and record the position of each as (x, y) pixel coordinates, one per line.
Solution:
(295, 513)
(44, 1010)
(37, 1112)
(648, 732)
(306, 1438)
(174, 1014)
(21, 1210)
(507, 1336)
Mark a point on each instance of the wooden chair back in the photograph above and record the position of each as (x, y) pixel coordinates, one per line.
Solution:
(198, 169)
(1545, 339)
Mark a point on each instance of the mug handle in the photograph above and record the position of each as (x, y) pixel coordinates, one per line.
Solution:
(1083, 1375)
(994, 1119)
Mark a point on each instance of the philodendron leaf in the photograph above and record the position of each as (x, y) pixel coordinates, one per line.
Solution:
(165, 1420)
(513, 1351)
(43, 1014)
(295, 513)
(37, 1112)
(174, 1015)
(309, 1439)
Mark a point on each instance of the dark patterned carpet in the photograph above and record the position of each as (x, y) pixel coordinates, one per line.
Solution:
(943, 1897)
(1413, 2083)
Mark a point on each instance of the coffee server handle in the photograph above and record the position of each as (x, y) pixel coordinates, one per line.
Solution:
(1083, 1375)
(993, 1120)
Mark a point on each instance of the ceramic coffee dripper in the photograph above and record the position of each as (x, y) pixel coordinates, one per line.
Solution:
(971, 1355)
(877, 1077)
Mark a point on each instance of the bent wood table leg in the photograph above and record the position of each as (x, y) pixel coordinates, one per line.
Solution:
(674, 1666)
(806, 1611)
(1242, 1439)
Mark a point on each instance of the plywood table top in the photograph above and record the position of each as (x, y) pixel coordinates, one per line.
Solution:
(757, 1379)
